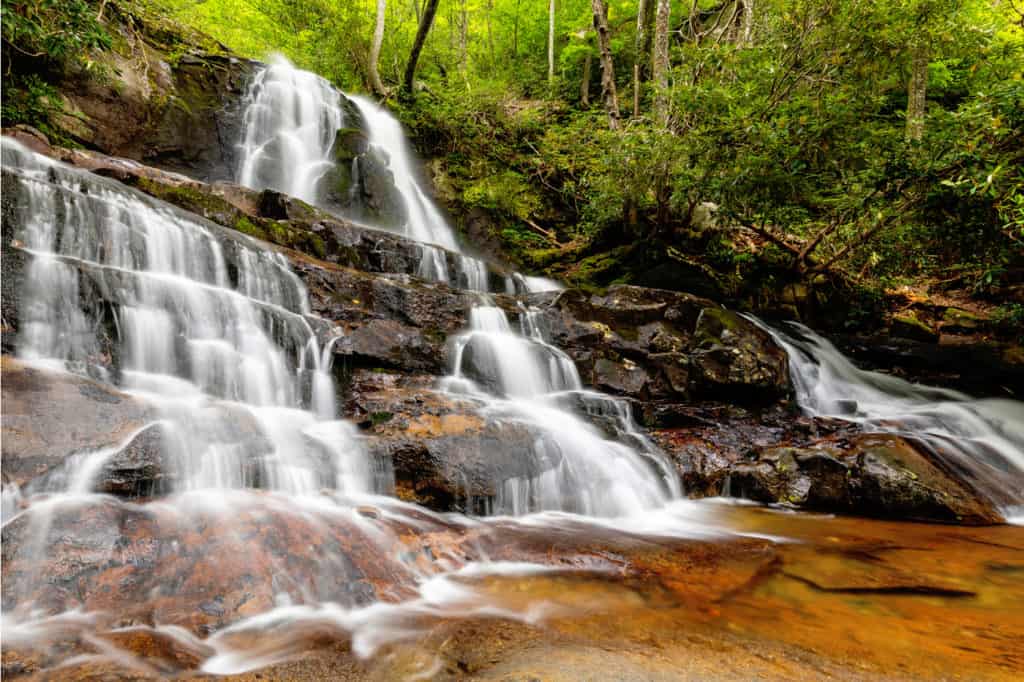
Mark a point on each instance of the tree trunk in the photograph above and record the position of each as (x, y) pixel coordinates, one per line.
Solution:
(490, 32)
(608, 93)
(551, 41)
(378, 40)
(515, 33)
(417, 46)
(916, 92)
(585, 83)
(463, 38)
(661, 28)
(748, 21)
(640, 56)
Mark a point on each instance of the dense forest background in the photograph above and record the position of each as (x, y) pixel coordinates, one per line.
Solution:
(757, 150)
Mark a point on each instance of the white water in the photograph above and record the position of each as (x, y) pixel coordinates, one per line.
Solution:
(291, 119)
(424, 221)
(522, 378)
(214, 331)
(217, 353)
(983, 439)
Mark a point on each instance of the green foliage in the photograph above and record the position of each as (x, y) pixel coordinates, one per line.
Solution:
(60, 32)
(28, 100)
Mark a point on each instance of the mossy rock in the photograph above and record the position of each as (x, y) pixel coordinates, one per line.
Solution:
(959, 320)
(909, 326)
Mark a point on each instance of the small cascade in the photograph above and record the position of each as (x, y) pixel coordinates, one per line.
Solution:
(203, 323)
(424, 221)
(291, 119)
(526, 284)
(580, 468)
(981, 439)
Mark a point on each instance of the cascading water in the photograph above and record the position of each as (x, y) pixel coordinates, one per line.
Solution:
(213, 331)
(982, 439)
(424, 222)
(207, 325)
(291, 119)
(578, 468)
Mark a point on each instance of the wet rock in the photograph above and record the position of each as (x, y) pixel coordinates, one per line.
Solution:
(737, 360)
(269, 216)
(197, 562)
(49, 416)
(867, 474)
(389, 321)
(658, 345)
(623, 378)
(445, 454)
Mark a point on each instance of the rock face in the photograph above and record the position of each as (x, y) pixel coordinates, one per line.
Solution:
(190, 565)
(48, 416)
(443, 453)
(704, 378)
(824, 465)
(179, 114)
(51, 419)
(361, 183)
(657, 345)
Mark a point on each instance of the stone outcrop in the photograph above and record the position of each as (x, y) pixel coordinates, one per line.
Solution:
(48, 416)
(654, 345)
(443, 452)
(830, 465)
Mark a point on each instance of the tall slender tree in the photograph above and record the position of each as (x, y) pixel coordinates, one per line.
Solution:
(661, 28)
(585, 83)
(916, 92)
(608, 93)
(378, 40)
(426, 21)
(748, 22)
(551, 41)
(640, 53)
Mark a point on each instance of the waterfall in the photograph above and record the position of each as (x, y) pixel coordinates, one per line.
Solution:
(520, 377)
(981, 438)
(291, 119)
(424, 222)
(206, 324)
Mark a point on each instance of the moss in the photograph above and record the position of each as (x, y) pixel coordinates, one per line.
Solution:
(318, 246)
(246, 226)
(600, 269)
(377, 418)
(910, 326)
(435, 335)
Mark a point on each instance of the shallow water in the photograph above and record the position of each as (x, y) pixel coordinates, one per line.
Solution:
(741, 592)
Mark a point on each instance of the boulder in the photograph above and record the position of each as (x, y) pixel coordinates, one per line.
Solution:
(658, 345)
(181, 112)
(49, 416)
(910, 326)
(736, 359)
(445, 454)
(867, 474)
